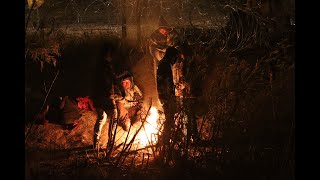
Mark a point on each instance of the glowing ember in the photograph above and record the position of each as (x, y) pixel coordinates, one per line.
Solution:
(148, 133)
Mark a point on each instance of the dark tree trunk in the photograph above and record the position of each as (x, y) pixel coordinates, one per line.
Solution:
(123, 19)
(138, 23)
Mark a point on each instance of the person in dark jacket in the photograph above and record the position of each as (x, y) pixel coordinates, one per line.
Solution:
(160, 39)
(103, 99)
(166, 94)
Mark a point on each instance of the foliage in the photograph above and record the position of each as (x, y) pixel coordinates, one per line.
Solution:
(44, 47)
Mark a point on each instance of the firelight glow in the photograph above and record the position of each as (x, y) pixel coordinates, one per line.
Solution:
(148, 133)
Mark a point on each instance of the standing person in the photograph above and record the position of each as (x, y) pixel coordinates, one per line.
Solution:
(104, 99)
(171, 84)
(161, 38)
(166, 95)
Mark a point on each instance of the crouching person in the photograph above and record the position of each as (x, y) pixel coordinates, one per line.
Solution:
(130, 104)
(71, 112)
(120, 104)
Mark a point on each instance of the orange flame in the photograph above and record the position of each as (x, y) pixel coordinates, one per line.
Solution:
(148, 133)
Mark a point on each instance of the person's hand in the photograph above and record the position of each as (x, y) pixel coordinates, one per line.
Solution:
(115, 96)
(134, 103)
(187, 88)
(180, 86)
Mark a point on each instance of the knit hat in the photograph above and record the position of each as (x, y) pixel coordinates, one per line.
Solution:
(125, 75)
(163, 22)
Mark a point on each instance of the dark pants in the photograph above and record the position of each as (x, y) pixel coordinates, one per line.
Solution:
(189, 109)
(170, 108)
(102, 116)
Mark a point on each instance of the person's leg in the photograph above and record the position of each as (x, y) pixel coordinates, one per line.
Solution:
(192, 124)
(112, 113)
(124, 120)
(135, 114)
(101, 120)
(168, 130)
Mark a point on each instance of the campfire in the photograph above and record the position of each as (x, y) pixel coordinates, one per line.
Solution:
(148, 131)
(148, 135)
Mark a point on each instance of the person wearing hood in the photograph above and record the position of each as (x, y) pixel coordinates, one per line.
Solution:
(130, 103)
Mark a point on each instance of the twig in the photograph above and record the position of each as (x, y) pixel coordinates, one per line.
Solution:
(131, 141)
(43, 104)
